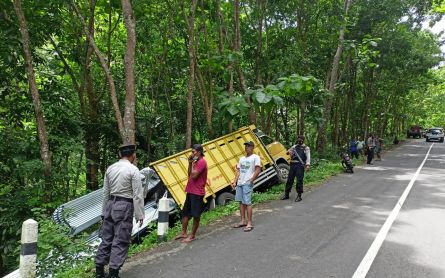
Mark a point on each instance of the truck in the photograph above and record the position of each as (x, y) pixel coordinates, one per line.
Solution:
(222, 155)
(169, 176)
(414, 131)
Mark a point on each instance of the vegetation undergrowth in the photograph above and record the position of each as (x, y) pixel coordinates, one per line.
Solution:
(322, 170)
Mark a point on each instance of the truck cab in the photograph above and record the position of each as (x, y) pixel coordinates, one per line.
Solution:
(278, 153)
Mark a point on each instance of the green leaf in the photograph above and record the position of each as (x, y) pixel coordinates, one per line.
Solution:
(262, 97)
(233, 110)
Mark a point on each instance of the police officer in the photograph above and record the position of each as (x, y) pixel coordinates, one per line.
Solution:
(300, 160)
(122, 197)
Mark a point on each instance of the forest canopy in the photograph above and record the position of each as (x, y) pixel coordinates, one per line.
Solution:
(79, 78)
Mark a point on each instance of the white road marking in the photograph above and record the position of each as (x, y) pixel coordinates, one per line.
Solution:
(365, 265)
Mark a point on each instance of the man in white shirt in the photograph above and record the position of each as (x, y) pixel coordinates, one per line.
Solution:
(247, 170)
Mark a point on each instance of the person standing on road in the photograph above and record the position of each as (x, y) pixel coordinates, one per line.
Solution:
(195, 192)
(122, 197)
(360, 147)
(371, 146)
(378, 148)
(247, 170)
(300, 155)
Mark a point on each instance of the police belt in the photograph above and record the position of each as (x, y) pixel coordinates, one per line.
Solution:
(118, 198)
(295, 162)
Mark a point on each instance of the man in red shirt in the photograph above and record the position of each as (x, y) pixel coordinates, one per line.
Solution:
(195, 192)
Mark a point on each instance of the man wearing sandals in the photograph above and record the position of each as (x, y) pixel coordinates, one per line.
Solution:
(195, 191)
(247, 170)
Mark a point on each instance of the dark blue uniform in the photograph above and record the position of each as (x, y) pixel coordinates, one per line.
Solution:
(297, 168)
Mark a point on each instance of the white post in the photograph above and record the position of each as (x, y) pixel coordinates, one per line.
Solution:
(28, 253)
(163, 215)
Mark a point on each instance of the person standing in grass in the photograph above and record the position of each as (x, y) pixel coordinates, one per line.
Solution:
(247, 170)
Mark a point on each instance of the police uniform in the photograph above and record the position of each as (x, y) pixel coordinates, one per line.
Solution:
(297, 169)
(122, 197)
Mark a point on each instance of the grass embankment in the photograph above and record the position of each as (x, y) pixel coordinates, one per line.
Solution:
(319, 173)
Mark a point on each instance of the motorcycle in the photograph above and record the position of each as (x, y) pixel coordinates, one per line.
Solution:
(346, 162)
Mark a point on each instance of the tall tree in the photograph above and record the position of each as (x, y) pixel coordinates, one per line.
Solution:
(237, 48)
(41, 127)
(130, 96)
(190, 23)
(322, 132)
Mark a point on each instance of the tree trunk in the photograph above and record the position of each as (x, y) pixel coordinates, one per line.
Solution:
(45, 153)
(237, 48)
(369, 80)
(335, 129)
(230, 90)
(204, 79)
(322, 130)
(259, 50)
(302, 115)
(130, 96)
(107, 72)
(285, 117)
(91, 133)
(190, 21)
(221, 35)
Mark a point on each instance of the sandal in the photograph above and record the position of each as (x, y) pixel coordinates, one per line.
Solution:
(180, 236)
(239, 225)
(248, 229)
(188, 240)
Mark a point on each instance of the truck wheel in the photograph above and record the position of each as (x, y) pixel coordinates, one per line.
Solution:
(225, 198)
(283, 172)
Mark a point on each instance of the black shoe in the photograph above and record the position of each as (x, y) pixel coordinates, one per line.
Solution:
(114, 273)
(284, 197)
(298, 199)
(100, 272)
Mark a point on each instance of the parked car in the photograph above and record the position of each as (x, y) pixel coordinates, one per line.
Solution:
(414, 131)
(435, 134)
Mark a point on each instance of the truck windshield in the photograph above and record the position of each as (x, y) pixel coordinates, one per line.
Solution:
(266, 140)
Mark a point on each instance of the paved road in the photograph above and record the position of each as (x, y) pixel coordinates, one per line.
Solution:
(329, 232)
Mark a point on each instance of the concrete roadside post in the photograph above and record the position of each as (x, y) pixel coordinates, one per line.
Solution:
(28, 253)
(163, 215)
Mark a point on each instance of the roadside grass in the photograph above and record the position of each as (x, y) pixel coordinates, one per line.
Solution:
(322, 170)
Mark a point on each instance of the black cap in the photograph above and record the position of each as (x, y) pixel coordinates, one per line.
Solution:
(249, 143)
(127, 149)
(300, 136)
(199, 148)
